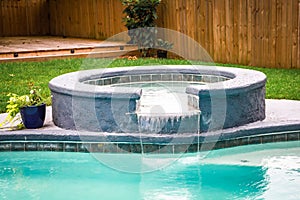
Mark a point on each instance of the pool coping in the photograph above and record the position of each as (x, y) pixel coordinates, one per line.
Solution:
(281, 124)
(74, 83)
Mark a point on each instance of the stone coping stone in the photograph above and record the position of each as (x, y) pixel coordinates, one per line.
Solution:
(72, 83)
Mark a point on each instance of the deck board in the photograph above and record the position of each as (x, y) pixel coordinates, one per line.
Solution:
(48, 47)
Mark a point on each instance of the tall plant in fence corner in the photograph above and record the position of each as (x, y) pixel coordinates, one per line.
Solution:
(140, 16)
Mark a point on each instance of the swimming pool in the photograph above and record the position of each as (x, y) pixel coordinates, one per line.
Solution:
(265, 171)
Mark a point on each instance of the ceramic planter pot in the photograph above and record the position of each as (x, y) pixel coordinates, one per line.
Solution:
(33, 116)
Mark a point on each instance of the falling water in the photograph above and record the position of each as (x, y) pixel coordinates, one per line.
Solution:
(165, 109)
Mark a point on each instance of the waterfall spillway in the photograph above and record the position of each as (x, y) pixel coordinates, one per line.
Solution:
(165, 108)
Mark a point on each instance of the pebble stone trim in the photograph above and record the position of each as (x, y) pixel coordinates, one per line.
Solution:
(119, 147)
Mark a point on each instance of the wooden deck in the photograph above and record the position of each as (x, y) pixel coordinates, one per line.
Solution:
(48, 47)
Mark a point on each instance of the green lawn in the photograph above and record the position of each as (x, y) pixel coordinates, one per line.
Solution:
(18, 77)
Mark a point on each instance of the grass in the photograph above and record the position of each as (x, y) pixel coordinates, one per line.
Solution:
(281, 83)
(19, 77)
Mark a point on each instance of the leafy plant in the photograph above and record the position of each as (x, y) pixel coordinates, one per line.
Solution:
(163, 45)
(140, 22)
(162, 48)
(16, 102)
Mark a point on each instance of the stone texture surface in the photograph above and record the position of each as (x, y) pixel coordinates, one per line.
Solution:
(93, 114)
(231, 110)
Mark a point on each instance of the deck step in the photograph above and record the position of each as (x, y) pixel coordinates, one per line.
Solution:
(82, 52)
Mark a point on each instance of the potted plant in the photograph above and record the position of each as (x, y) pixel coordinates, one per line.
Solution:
(163, 47)
(140, 16)
(30, 108)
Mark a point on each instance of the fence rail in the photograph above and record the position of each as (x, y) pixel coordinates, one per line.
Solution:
(250, 32)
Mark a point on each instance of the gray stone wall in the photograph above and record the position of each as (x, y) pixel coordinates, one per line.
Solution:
(93, 114)
(231, 110)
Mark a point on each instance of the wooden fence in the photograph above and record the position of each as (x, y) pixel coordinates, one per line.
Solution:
(251, 32)
(77, 18)
(24, 17)
(86, 18)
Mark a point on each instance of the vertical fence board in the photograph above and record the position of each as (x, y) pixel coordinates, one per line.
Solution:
(89, 15)
(100, 17)
(80, 19)
(289, 34)
(106, 17)
(13, 15)
(218, 30)
(200, 23)
(177, 16)
(222, 32)
(1, 17)
(53, 16)
(243, 36)
(83, 28)
(79, 23)
(63, 17)
(268, 32)
(264, 35)
(273, 33)
(96, 22)
(279, 57)
(298, 43)
(235, 31)
(284, 33)
(118, 15)
(249, 29)
(6, 12)
(228, 26)
(30, 13)
(91, 22)
(182, 16)
(295, 12)
(189, 20)
(276, 33)
(209, 42)
(259, 33)
(252, 32)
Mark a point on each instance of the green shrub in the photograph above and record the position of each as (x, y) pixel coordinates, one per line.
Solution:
(140, 16)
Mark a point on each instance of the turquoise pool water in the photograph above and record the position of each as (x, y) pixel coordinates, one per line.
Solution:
(269, 171)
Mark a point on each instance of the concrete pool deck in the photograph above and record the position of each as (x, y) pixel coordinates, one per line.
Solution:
(282, 123)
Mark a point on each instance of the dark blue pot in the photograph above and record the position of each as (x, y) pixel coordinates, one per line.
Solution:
(33, 116)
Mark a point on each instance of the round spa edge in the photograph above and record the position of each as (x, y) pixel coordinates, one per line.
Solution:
(230, 96)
